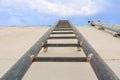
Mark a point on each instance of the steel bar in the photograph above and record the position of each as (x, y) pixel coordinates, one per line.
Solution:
(106, 26)
(60, 59)
(63, 26)
(102, 70)
(62, 45)
(62, 37)
(62, 33)
(17, 71)
(62, 29)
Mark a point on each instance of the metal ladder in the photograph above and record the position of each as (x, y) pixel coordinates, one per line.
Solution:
(101, 69)
(61, 31)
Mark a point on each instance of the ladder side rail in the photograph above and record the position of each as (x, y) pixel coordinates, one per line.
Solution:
(17, 71)
(102, 70)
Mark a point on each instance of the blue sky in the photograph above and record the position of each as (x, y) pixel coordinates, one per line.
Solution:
(45, 12)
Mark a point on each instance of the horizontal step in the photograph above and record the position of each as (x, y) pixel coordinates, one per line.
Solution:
(63, 29)
(62, 33)
(62, 37)
(60, 59)
(62, 45)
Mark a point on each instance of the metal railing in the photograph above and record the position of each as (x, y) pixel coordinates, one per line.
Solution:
(111, 27)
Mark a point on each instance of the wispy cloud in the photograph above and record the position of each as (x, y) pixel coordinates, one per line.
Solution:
(40, 11)
(58, 8)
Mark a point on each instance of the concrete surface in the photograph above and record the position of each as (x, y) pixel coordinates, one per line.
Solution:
(15, 41)
(61, 70)
(105, 44)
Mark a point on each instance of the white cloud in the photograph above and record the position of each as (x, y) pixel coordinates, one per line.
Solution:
(59, 8)
(65, 8)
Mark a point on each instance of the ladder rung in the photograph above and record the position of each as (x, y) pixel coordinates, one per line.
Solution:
(63, 29)
(62, 45)
(60, 59)
(63, 37)
(62, 33)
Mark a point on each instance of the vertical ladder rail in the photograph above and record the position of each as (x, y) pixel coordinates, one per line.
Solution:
(17, 71)
(102, 70)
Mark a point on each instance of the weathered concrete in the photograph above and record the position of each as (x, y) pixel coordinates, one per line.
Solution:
(106, 45)
(15, 41)
(60, 71)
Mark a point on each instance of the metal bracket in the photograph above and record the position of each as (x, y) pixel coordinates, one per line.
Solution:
(100, 28)
(116, 35)
(89, 56)
(32, 56)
